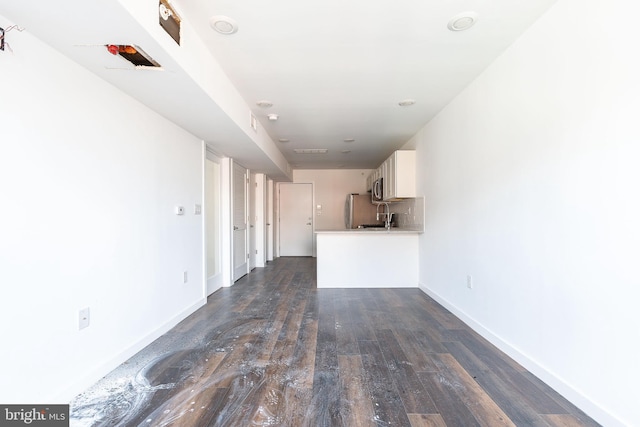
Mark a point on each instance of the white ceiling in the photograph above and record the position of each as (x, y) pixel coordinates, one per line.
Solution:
(336, 69)
(332, 69)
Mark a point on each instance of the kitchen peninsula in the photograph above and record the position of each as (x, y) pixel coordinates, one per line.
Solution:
(367, 258)
(373, 257)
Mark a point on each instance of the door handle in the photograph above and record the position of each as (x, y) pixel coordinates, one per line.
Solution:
(235, 228)
(308, 223)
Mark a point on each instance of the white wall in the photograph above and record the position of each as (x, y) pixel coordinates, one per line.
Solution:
(331, 187)
(90, 179)
(531, 183)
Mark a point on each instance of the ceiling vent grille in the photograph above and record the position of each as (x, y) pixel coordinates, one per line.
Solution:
(311, 150)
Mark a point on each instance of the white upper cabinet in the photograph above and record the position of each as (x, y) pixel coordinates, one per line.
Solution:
(399, 175)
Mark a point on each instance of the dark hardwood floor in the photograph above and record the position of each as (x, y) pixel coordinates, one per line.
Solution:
(275, 351)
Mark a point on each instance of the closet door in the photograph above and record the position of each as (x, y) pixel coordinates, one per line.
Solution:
(240, 252)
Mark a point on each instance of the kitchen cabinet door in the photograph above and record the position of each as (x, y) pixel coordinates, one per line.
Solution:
(400, 175)
(388, 181)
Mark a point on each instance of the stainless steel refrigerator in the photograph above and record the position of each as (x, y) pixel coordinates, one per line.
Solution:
(359, 211)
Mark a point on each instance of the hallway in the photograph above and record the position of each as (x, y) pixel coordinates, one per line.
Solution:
(275, 351)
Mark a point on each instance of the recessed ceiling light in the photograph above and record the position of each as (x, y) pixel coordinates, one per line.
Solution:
(349, 139)
(284, 140)
(273, 117)
(264, 104)
(223, 24)
(406, 102)
(345, 151)
(462, 21)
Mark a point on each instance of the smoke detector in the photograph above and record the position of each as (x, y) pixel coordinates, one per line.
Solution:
(264, 103)
(407, 102)
(223, 24)
(462, 21)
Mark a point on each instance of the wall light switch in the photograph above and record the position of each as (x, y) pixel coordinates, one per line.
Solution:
(197, 209)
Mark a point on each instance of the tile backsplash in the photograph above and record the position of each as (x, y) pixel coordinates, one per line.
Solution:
(409, 213)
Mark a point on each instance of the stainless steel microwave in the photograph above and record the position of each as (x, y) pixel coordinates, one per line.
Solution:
(376, 191)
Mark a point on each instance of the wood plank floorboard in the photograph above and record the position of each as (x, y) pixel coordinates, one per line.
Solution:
(415, 398)
(426, 420)
(273, 350)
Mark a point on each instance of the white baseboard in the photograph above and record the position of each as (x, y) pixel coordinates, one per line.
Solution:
(550, 378)
(214, 283)
(90, 378)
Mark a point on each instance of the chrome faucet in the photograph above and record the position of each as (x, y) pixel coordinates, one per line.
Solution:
(388, 216)
(389, 220)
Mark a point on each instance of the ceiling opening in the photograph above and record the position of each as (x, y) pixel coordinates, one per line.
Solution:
(134, 55)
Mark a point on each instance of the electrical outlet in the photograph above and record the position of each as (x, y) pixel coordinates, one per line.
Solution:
(83, 318)
(469, 282)
(185, 277)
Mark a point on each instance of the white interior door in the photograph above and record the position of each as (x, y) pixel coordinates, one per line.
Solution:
(296, 219)
(213, 221)
(240, 253)
(260, 219)
(252, 221)
(270, 227)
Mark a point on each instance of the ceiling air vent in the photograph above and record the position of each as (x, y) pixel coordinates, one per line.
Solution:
(310, 150)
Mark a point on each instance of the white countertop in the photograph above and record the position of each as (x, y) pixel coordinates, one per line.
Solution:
(393, 230)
